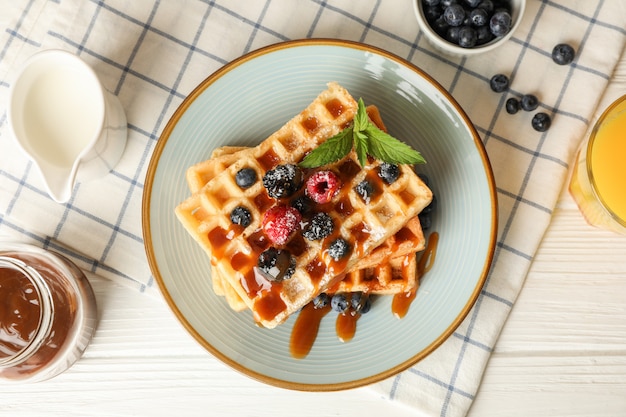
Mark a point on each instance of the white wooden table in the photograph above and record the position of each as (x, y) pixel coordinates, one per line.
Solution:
(562, 352)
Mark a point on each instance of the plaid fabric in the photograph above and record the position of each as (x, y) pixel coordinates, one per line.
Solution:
(152, 53)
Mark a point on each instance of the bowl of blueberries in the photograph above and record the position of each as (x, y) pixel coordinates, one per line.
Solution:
(468, 27)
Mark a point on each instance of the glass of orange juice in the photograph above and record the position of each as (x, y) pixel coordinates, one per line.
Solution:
(598, 183)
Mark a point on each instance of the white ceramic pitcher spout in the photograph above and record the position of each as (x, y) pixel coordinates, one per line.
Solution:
(65, 121)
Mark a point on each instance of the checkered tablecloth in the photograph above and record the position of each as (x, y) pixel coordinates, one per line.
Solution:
(152, 53)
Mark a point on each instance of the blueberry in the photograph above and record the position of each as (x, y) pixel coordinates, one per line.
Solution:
(360, 302)
(467, 37)
(472, 3)
(431, 206)
(529, 102)
(431, 2)
(446, 3)
(483, 35)
(512, 105)
(479, 17)
(339, 303)
(389, 172)
(487, 5)
(303, 204)
(563, 54)
(424, 179)
(282, 181)
(500, 23)
(320, 226)
(454, 15)
(452, 35)
(440, 26)
(541, 122)
(425, 220)
(432, 13)
(499, 83)
(365, 189)
(245, 178)
(276, 264)
(321, 300)
(338, 249)
(241, 216)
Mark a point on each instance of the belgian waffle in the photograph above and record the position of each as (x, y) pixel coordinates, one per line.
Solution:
(364, 225)
(408, 240)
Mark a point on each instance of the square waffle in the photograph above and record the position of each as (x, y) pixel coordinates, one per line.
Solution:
(388, 268)
(364, 225)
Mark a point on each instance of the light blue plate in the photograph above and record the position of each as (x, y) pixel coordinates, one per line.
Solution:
(242, 104)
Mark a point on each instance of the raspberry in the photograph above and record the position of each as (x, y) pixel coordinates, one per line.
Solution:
(322, 186)
(280, 222)
(282, 181)
(277, 264)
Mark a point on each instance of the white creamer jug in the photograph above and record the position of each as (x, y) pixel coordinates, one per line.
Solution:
(65, 121)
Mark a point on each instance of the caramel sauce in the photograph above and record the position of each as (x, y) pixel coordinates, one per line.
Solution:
(270, 304)
(335, 107)
(346, 326)
(402, 302)
(305, 330)
(258, 241)
(407, 197)
(19, 311)
(263, 202)
(269, 160)
(310, 124)
(344, 207)
(316, 269)
(26, 319)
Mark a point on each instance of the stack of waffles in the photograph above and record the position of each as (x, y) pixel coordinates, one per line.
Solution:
(383, 232)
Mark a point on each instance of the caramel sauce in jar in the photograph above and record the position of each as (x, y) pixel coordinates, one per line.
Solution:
(48, 314)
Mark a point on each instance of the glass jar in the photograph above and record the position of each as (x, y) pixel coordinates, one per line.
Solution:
(47, 315)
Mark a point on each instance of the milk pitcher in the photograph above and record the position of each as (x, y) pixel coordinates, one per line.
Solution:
(65, 121)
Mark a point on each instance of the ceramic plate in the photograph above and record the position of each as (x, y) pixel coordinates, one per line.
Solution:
(243, 103)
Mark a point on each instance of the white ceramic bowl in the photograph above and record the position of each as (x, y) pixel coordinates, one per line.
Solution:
(242, 104)
(517, 13)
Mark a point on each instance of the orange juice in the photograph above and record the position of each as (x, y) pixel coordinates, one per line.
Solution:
(599, 178)
(608, 161)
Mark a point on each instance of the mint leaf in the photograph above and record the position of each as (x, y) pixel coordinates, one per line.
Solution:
(361, 119)
(389, 149)
(367, 139)
(361, 146)
(333, 149)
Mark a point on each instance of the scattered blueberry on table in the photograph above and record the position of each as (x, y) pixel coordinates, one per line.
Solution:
(512, 105)
(499, 83)
(541, 122)
(563, 54)
(529, 102)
